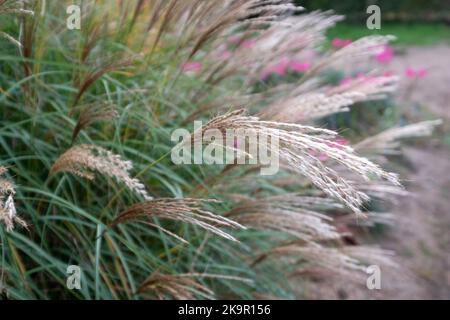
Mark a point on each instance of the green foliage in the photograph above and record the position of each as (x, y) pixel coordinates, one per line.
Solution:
(114, 60)
(407, 34)
(399, 10)
(64, 212)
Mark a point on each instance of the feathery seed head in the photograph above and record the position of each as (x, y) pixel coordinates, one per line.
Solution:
(183, 210)
(83, 160)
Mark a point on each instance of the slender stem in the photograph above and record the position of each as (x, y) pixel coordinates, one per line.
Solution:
(98, 245)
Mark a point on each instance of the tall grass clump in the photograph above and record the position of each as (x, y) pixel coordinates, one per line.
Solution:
(86, 173)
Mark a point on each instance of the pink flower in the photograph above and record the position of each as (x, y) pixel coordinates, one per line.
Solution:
(225, 55)
(278, 68)
(222, 47)
(243, 43)
(419, 73)
(410, 73)
(345, 81)
(360, 76)
(363, 78)
(282, 66)
(264, 74)
(385, 55)
(338, 143)
(341, 141)
(298, 66)
(233, 39)
(322, 157)
(247, 44)
(190, 66)
(338, 43)
(222, 52)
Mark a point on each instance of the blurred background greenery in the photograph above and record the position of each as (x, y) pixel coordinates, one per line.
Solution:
(416, 22)
(398, 11)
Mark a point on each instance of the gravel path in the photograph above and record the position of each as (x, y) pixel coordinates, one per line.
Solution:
(421, 235)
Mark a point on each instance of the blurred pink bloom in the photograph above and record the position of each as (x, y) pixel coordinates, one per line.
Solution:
(247, 44)
(298, 66)
(419, 73)
(282, 66)
(422, 72)
(243, 43)
(190, 67)
(410, 73)
(225, 55)
(341, 141)
(222, 52)
(385, 55)
(361, 77)
(278, 68)
(322, 156)
(345, 81)
(222, 47)
(309, 55)
(233, 39)
(338, 43)
(264, 74)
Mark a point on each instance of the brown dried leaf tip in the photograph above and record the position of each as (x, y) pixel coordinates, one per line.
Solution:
(92, 113)
(183, 210)
(179, 287)
(83, 160)
(8, 213)
(182, 286)
(13, 7)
